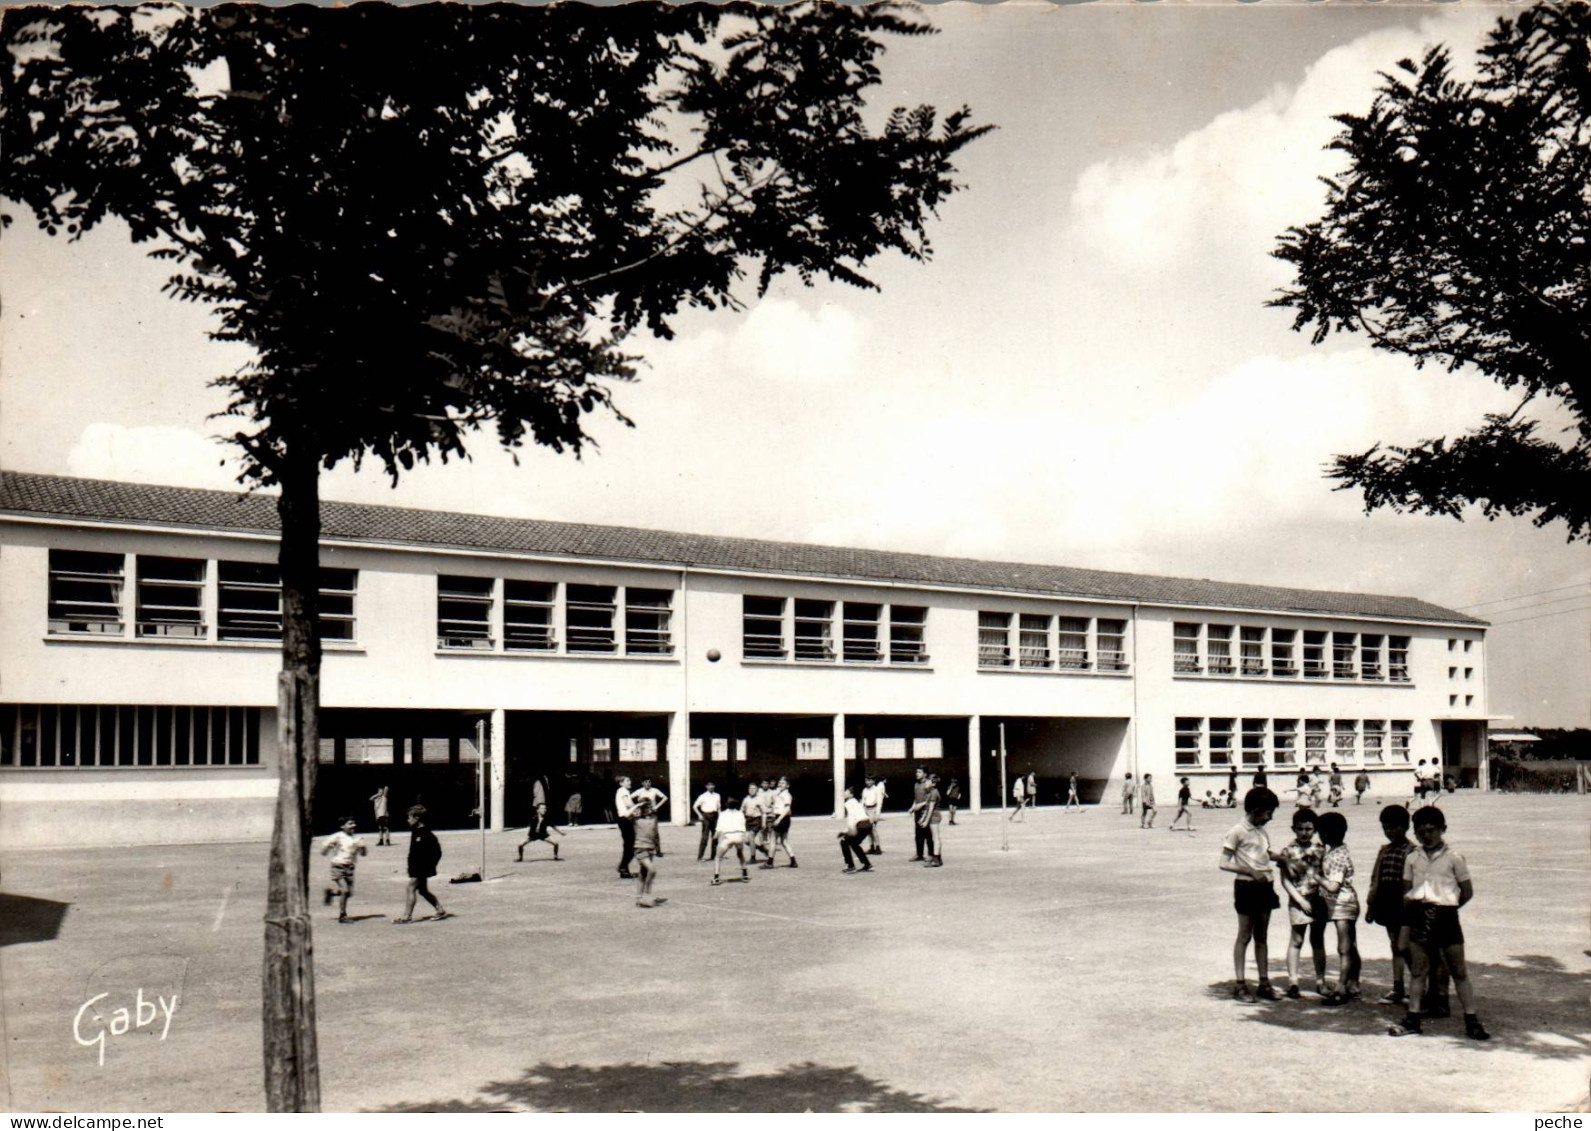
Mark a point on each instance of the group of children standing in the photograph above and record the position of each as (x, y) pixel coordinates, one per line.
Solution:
(1415, 894)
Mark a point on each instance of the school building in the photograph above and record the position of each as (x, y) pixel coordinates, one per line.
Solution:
(140, 629)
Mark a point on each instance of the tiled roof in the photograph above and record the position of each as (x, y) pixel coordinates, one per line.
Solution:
(93, 500)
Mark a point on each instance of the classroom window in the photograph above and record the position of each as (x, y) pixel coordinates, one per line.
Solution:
(1254, 742)
(1398, 659)
(1071, 643)
(1033, 641)
(464, 612)
(171, 597)
(859, 641)
(1253, 656)
(338, 588)
(1221, 735)
(529, 615)
(908, 626)
(590, 616)
(1346, 744)
(648, 618)
(1374, 740)
(1284, 742)
(994, 640)
(73, 736)
(1402, 731)
(1343, 654)
(762, 628)
(1111, 638)
(1185, 647)
(1314, 654)
(1189, 743)
(1218, 649)
(1370, 666)
(86, 593)
(1316, 732)
(249, 601)
(814, 630)
(1282, 663)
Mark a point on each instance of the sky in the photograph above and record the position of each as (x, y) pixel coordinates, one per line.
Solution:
(1085, 373)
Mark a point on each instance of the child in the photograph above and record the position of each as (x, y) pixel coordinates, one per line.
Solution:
(571, 809)
(1210, 800)
(1184, 807)
(1436, 884)
(854, 834)
(1147, 803)
(1385, 902)
(1019, 796)
(953, 798)
(1360, 785)
(539, 829)
(1072, 801)
(1305, 910)
(1246, 852)
(344, 848)
(731, 836)
(780, 832)
(379, 800)
(425, 853)
(929, 817)
(646, 853)
(1126, 796)
(1342, 905)
(1334, 784)
(873, 794)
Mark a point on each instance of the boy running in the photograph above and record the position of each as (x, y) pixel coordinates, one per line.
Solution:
(344, 848)
(1184, 806)
(1246, 852)
(425, 853)
(540, 828)
(1436, 884)
(731, 838)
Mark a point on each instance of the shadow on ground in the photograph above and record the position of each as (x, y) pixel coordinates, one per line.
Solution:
(687, 1086)
(1529, 1004)
(25, 919)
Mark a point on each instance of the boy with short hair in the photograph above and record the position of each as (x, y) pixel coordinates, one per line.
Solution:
(344, 848)
(540, 828)
(731, 838)
(1126, 796)
(854, 834)
(1246, 852)
(1184, 807)
(1300, 875)
(1147, 803)
(873, 794)
(707, 807)
(646, 852)
(1360, 785)
(779, 833)
(1436, 883)
(1072, 801)
(930, 818)
(1384, 904)
(425, 853)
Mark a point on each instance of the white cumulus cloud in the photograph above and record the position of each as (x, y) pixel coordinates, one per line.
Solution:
(152, 454)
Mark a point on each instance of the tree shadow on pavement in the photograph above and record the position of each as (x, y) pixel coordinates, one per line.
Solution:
(1530, 1004)
(687, 1087)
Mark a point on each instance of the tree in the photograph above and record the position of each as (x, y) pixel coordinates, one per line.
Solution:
(1459, 235)
(433, 220)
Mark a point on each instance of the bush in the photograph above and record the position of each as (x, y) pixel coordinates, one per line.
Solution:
(1510, 775)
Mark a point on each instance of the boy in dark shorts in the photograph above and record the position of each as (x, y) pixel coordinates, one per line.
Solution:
(344, 848)
(540, 829)
(425, 853)
(646, 852)
(1360, 784)
(1184, 806)
(1246, 852)
(1436, 884)
(1384, 904)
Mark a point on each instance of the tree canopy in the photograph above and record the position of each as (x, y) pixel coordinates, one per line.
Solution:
(1459, 235)
(434, 219)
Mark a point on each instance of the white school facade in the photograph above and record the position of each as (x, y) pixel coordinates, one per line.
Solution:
(140, 630)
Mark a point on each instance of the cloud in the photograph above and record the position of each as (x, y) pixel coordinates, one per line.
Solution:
(779, 341)
(1248, 174)
(152, 454)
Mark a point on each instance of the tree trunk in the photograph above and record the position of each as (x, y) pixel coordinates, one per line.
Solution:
(292, 1063)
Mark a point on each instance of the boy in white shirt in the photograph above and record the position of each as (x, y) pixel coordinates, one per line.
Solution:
(731, 838)
(854, 834)
(1436, 884)
(779, 836)
(344, 848)
(707, 807)
(1246, 852)
(873, 794)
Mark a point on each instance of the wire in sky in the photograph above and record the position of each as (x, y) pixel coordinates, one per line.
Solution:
(1538, 616)
(1522, 596)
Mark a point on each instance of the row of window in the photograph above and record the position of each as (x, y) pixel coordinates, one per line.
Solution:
(1287, 653)
(1291, 742)
(779, 628)
(1050, 643)
(33, 734)
(88, 591)
(591, 617)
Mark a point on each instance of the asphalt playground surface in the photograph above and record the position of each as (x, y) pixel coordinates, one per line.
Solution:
(1087, 968)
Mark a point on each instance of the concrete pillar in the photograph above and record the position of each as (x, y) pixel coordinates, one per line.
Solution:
(679, 768)
(837, 761)
(975, 763)
(497, 742)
